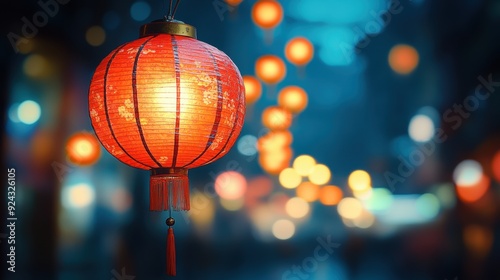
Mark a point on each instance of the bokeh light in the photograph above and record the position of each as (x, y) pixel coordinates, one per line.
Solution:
(308, 191)
(427, 205)
(289, 178)
(467, 173)
(78, 196)
(364, 220)
(274, 162)
(297, 207)
(283, 229)
(230, 185)
(37, 66)
(247, 145)
(233, 2)
(495, 166)
(83, 148)
(232, 204)
(267, 14)
(274, 140)
(472, 193)
(120, 200)
(350, 208)
(253, 89)
(478, 239)
(421, 128)
(140, 10)
(29, 112)
(359, 180)
(299, 51)
(276, 118)
(320, 174)
(304, 164)
(95, 36)
(270, 69)
(330, 195)
(293, 99)
(380, 200)
(203, 211)
(403, 59)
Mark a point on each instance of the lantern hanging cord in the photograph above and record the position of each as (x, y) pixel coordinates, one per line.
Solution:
(171, 13)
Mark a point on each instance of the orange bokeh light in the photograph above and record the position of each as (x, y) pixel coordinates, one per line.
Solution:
(330, 195)
(267, 14)
(308, 191)
(474, 192)
(496, 166)
(233, 2)
(276, 118)
(403, 59)
(274, 140)
(253, 89)
(83, 149)
(299, 51)
(274, 162)
(270, 69)
(230, 185)
(293, 99)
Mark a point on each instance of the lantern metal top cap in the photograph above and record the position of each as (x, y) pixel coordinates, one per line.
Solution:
(173, 27)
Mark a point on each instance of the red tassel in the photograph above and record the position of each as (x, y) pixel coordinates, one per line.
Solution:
(170, 252)
(170, 190)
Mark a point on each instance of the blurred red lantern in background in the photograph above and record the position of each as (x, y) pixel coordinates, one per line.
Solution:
(167, 102)
(276, 118)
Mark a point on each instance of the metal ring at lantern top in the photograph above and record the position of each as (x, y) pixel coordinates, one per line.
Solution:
(173, 27)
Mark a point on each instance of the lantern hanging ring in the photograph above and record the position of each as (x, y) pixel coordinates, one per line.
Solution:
(171, 13)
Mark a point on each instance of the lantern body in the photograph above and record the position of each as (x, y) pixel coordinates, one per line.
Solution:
(167, 103)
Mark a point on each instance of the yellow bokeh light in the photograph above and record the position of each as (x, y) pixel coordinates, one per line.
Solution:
(364, 220)
(274, 162)
(359, 180)
(293, 99)
(80, 195)
(230, 185)
(267, 13)
(37, 66)
(270, 69)
(299, 51)
(308, 191)
(274, 140)
(95, 36)
(320, 174)
(202, 219)
(276, 118)
(283, 229)
(29, 112)
(289, 178)
(297, 207)
(403, 59)
(304, 164)
(232, 204)
(350, 208)
(253, 89)
(364, 194)
(330, 195)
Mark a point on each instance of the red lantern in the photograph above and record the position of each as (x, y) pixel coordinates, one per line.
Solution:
(167, 103)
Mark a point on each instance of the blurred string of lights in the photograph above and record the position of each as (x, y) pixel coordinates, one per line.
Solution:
(310, 181)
